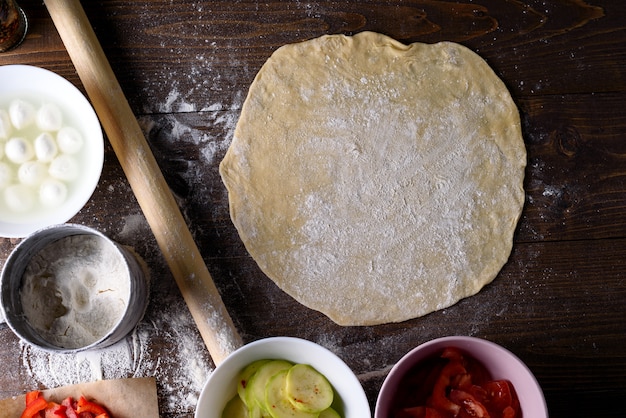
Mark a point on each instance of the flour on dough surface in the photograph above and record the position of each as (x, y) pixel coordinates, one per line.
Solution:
(373, 181)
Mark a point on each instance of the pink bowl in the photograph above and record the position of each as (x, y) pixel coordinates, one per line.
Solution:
(499, 362)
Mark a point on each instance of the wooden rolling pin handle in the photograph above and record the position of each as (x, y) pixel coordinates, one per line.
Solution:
(145, 178)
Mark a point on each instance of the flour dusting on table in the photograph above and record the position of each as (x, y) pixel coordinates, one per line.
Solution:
(180, 372)
(165, 344)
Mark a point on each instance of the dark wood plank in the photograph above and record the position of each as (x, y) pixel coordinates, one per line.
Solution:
(560, 301)
(575, 180)
(208, 53)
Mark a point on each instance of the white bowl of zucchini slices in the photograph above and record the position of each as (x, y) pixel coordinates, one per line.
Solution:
(283, 377)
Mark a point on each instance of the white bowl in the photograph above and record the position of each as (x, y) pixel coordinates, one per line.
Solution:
(222, 383)
(41, 86)
(499, 362)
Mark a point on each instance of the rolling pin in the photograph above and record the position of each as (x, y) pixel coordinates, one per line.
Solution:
(145, 178)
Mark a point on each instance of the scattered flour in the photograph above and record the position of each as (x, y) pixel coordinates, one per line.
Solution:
(180, 371)
(171, 99)
(205, 136)
(212, 138)
(165, 344)
(132, 224)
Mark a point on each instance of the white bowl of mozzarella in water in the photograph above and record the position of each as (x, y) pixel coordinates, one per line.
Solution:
(283, 377)
(51, 150)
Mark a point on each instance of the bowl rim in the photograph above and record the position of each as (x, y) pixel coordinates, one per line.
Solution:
(137, 294)
(27, 80)
(462, 342)
(301, 352)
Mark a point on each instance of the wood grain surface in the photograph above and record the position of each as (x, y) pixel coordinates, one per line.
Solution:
(185, 67)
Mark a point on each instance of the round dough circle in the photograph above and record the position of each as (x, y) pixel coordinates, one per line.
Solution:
(373, 181)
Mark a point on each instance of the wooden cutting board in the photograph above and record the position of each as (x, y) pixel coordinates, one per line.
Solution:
(123, 398)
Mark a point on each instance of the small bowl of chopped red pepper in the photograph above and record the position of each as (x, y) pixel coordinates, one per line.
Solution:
(460, 377)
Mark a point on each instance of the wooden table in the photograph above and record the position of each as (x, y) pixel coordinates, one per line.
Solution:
(185, 66)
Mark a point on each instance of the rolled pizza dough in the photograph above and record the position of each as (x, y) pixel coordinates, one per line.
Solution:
(373, 181)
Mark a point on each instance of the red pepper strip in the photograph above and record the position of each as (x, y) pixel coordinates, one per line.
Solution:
(33, 409)
(418, 412)
(509, 412)
(412, 412)
(479, 393)
(32, 395)
(439, 400)
(70, 405)
(470, 407)
(461, 381)
(452, 353)
(54, 410)
(432, 413)
(87, 406)
(500, 394)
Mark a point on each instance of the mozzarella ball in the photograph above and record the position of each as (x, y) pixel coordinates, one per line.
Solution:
(52, 193)
(22, 113)
(6, 175)
(70, 141)
(19, 197)
(32, 173)
(5, 125)
(45, 147)
(64, 167)
(19, 150)
(49, 117)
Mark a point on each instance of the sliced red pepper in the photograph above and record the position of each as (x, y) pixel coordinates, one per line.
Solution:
(461, 381)
(70, 407)
(470, 406)
(452, 353)
(417, 390)
(432, 413)
(455, 385)
(54, 410)
(419, 412)
(84, 405)
(477, 370)
(499, 394)
(479, 393)
(509, 412)
(32, 395)
(413, 412)
(34, 407)
(439, 398)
